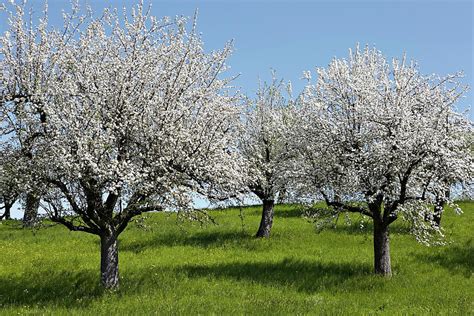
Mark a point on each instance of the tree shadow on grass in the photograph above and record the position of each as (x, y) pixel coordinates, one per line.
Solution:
(80, 289)
(455, 258)
(204, 239)
(303, 276)
(237, 238)
(57, 288)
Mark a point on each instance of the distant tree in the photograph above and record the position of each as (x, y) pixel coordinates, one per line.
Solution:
(440, 203)
(264, 147)
(383, 140)
(439, 197)
(7, 205)
(10, 181)
(118, 115)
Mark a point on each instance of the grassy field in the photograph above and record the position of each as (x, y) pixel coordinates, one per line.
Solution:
(171, 268)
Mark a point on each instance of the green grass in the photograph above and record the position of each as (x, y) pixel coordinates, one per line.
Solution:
(185, 269)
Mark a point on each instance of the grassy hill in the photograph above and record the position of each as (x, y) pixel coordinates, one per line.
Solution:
(170, 268)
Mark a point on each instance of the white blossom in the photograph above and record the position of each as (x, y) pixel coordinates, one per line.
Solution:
(118, 115)
(382, 133)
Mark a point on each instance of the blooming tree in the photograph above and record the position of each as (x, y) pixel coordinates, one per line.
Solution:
(10, 181)
(118, 115)
(263, 146)
(382, 133)
(18, 184)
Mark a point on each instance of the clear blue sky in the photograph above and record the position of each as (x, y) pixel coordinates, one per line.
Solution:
(292, 36)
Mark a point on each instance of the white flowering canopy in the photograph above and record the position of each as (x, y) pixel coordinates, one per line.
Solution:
(264, 142)
(11, 185)
(376, 130)
(118, 114)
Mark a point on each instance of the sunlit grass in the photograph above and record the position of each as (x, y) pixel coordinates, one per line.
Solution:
(222, 269)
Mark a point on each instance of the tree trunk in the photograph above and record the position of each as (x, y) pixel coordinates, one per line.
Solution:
(382, 263)
(7, 213)
(439, 207)
(438, 211)
(282, 196)
(267, 219)
(109, 275)
(31, 209)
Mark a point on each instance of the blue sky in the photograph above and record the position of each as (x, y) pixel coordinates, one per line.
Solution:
(293, 36)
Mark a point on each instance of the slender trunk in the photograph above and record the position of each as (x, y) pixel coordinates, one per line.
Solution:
(7, 213)
(439, 207)
(31, 209)
(382, 263)
(109, 275)
(282, 196)
(267, 219)
(438, 211)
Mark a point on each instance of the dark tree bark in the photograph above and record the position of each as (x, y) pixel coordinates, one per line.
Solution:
(282, 196)
(438, 211)
(31, 209)
(382, 217)
(7, 206)
(439, 207)
(98, 218)
(382, 262)
(109, 273)
(7, 212)
(267, 219)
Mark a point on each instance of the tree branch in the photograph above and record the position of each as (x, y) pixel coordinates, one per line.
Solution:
(346, 207)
